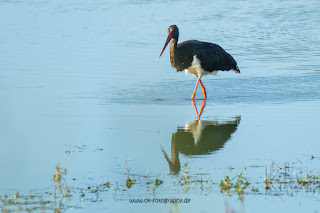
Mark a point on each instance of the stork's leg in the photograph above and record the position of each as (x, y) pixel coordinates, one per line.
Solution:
(195, 89)
(203, 90)
(202, 107)
(195, 107)
(203, 104)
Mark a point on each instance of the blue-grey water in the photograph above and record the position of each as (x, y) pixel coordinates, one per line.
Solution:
(82, 85)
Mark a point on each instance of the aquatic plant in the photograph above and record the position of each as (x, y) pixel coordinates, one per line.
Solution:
(36, 202)
(286, 178)
(192, 182)
(239, 186)
(129, 182)
(157, 182)
(185, 179)
(60, 182)
(270, 176)
(278, 180)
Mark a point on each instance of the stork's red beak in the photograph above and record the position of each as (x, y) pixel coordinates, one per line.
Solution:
(165, 45)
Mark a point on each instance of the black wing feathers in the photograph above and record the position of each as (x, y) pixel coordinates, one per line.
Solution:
(212, 56)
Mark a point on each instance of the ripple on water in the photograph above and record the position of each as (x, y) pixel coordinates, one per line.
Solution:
(224, 91)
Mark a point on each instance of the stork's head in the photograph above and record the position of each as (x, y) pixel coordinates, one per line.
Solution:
(173, 32)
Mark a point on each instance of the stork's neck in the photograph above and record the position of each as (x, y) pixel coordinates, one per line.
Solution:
(173, 49)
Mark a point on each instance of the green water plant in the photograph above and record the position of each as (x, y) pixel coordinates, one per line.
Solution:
(157, 182)
(310, 182)
(238, 186)
(286, 178)
(60, 182)
(270, 176)
(188, 181)
(185, 178)
(241, 185)
(278, 180)
(129, 182)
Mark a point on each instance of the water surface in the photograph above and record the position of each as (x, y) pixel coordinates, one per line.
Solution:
(81, 84)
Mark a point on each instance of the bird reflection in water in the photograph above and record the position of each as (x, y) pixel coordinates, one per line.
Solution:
(199, 138)
(203, 104)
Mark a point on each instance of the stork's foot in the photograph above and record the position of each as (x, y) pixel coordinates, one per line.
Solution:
(193, 95)
(204, 95)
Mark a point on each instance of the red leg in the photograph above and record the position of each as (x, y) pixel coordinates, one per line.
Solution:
(203, 90)
(202, 107)
(203, 104)
(195, 107)
(195, 89)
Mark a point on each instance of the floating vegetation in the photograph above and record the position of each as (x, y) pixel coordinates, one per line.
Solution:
(185, 179)
(239, 186)
(156, 183)
(278, 180)
(44, 201)
(129, 181)
(192, 182)
(60, 182)
(16, 196)
(286, 179)
(22, 203)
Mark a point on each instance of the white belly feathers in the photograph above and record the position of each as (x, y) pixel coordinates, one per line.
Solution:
(196, 68)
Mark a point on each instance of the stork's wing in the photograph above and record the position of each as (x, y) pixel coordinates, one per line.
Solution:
(213, 57)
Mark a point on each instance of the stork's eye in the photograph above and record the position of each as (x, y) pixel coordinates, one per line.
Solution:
(170, 31)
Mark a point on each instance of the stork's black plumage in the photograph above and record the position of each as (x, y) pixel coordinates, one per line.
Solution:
(197, 57)
(212, 56)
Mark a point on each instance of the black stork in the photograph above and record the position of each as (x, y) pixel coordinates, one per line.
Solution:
(197, 57)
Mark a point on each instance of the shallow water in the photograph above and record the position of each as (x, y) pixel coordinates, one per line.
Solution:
(81, 84)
